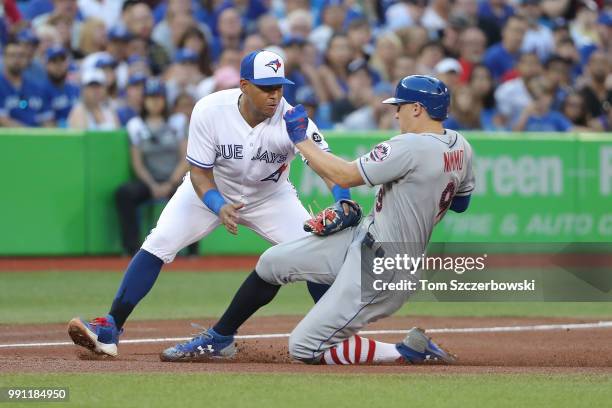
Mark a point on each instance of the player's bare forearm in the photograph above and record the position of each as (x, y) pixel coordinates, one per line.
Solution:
(202, 180)
(339, 171)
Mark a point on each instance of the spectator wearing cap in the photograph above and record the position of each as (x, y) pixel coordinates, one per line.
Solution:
(594, 89)
(472, 46)
(138, 20)
(538, 38)
(449, 71)
(184, 74)
(229, 33)
(34, 71)
(334, 71)
(359, 92)
(268, 28)
(118, 39)
(387, 51)
(158, 145)
(138, 64)
(22, 102)
(63, 95)
(512, 97)
(195, 40)
(502, 57)
(108, 65)
(133, 99)
(333, 14)
(93, 111)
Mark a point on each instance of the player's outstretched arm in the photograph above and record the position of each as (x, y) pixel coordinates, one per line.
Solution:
(204, 184)
(339, 171)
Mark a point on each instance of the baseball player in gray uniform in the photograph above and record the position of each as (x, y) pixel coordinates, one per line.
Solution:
(421, 174)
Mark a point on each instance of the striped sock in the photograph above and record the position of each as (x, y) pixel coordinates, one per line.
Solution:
(359, 350)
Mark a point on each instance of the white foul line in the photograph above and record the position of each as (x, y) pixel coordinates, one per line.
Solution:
(498, 329)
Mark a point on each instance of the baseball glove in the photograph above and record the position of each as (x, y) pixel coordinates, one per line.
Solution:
(333, 219)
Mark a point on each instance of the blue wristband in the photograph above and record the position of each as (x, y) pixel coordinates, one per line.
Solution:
(340, 193)
(213, 200)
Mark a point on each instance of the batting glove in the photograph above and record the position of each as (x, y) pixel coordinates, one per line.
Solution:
(296, 120)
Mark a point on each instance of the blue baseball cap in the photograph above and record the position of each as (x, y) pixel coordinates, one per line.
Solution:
(27, 36)
(105, 61)
(185, 55)
(137, 79)
(264, 68)
(154, 87)
(119, 33)
(55, 51)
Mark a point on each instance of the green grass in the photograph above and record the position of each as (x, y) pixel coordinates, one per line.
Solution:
(308, 390)
(32, 297)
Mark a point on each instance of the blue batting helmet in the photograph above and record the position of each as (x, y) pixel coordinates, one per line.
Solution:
(426, 90)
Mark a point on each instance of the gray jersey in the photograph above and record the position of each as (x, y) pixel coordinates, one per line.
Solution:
(418, 175)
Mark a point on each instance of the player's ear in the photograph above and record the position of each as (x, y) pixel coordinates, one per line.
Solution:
(244, 85)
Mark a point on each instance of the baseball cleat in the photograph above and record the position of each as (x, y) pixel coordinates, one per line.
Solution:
(100, 335)
(417, 348)
(205, 346)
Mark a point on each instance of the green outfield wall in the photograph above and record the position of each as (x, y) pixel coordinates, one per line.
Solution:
(57, 191)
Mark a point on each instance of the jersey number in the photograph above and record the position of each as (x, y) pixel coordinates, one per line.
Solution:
(445, 200)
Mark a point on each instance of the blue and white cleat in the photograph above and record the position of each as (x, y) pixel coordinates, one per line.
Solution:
(205, 346)
(99, 335)
(417, 348)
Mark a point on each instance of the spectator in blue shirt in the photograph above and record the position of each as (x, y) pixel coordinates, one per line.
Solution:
(538, 116)
(63, 95)
(21, 101)
(502, 57)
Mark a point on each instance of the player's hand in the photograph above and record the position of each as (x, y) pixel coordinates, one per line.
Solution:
(229, 217)
(296, 120)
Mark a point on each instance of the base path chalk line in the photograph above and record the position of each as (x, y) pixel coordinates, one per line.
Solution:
(499, 329)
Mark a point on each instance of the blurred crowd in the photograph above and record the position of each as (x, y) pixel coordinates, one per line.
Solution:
(522, 65)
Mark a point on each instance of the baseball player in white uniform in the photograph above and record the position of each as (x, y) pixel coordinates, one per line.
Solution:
(239, 153)
(421, 174)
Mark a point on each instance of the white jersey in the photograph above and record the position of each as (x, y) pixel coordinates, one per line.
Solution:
(249, 164)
